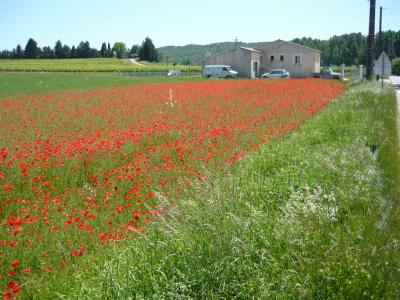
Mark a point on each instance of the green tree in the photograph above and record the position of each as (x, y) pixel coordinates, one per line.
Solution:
(18, 52)
(73, 52)
(83, 50)
(5, 54)
(58, 50)
(120, 49)
(94, 53)
(109, 54)
(31, 49)
(103, 51)
(39, 52)
(66, 51)
(47, 52)
(148, 51)
(396, 66)
(396, 45)
(134, 50)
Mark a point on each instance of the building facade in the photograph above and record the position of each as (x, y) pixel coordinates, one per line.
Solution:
(298, 60)
(246, 61)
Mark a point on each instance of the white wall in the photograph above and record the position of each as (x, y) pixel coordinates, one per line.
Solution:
(309, 58)
(239, 59)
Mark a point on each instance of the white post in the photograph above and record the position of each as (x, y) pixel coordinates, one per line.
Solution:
(342, 71)
(361, 71)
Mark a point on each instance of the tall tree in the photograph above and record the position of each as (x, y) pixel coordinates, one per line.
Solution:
(148, 51)
(73, 52)
(94, 53)
(109, 54)
(120, 49)
(39, 52)
(66, 51)
(58, 50)
(47, 52)
(385, 42)
(396, 66)
(348, 48)
(18, 52)
(5, 54)
(31, 49)
(83, 50)
(134, 50)
(103, 51)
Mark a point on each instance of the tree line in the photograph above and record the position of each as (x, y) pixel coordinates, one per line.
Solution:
(350, 49)
(146, 51)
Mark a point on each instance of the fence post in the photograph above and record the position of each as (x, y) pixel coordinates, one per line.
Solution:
(342, 71)
(361, 71)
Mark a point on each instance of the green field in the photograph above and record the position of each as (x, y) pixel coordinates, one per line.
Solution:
(314, 214)
(14, 83)
(85, 65)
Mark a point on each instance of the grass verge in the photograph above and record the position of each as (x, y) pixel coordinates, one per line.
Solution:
(313, 215)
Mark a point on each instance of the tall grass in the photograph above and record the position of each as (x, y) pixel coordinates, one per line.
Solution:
(312, 215)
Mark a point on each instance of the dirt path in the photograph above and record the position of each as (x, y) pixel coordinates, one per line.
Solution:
(135, 62)
(396, 84)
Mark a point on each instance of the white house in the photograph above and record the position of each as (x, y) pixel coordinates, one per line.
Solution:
(299, 60)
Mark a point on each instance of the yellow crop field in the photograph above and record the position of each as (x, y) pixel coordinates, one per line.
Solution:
(85, 65)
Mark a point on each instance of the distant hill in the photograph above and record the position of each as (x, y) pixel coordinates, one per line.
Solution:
(349, 48)
(194, 54)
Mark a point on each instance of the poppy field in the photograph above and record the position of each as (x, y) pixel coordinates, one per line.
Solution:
(80, 171)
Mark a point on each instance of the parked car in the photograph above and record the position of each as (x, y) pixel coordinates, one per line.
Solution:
(327, 73)
(278, 73)
(222, 71)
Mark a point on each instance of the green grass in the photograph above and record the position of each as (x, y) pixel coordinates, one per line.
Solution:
(14, 83)
(313, 215)
(84, 65)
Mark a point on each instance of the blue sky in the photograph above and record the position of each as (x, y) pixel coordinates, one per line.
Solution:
(181, 22)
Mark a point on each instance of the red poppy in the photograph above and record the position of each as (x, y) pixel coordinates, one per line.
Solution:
(15, 263)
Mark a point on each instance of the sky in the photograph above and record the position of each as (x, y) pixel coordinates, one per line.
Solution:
(181, 22)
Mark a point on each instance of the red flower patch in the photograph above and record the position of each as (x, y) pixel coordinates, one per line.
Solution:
(83, 170)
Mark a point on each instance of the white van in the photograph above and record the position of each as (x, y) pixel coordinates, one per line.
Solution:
(223, 71)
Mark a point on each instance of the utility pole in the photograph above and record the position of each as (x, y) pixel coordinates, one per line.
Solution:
(370, 41)
(383, 45)
(382, 42)
(380, 23)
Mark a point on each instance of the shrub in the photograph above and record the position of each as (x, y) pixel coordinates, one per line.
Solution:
(396, 66)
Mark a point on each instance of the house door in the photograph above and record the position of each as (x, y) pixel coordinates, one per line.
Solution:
(255, 69)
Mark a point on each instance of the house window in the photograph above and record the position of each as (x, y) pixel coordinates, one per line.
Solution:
(282, 57)
(297, 59)
(272, 57)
